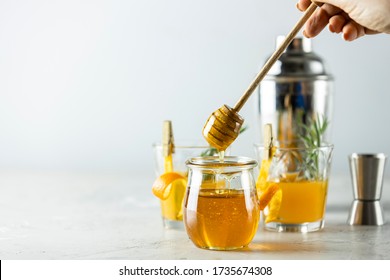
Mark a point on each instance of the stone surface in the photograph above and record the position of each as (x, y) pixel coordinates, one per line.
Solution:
(47, 215)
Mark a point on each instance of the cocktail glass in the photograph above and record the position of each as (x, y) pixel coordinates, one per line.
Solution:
(171, 208)
(302, 175)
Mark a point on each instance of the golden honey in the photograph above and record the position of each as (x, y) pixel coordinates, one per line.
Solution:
(221, 219)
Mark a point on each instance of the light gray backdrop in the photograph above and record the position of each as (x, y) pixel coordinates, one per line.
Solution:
(85, 85)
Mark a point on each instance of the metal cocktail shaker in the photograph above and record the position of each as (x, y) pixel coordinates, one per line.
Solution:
(297, 89)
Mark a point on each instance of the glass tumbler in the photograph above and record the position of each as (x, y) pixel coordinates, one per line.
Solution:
(302, 177)
(221, 210)
(171, 208)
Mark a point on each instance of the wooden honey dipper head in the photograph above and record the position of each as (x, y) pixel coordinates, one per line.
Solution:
(222, 127)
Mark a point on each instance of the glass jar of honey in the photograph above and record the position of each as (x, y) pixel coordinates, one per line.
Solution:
(221, 210)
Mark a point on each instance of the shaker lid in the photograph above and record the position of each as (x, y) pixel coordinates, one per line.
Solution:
(298, 60)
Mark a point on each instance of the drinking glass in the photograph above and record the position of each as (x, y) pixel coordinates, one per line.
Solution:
(221, 210)
(171, 208)
(301, 175)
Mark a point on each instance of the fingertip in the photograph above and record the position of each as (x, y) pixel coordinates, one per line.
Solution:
(349, 37)
(305, 34)
(350, 32)
(337, 23)
(299, 7)
(334, 29)
(302, 5)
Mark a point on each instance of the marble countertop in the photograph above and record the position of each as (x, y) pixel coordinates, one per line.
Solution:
(70, 215)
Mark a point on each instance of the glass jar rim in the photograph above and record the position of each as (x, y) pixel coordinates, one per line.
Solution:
(229, 162)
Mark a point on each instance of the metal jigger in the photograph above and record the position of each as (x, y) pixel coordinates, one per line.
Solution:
(367, 172)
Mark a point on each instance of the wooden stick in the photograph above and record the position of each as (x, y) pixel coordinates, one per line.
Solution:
(268, 141)
(168, 147)
(167, 139)
(267, 66)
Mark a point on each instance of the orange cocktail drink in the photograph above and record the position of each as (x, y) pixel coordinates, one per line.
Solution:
(300, 176)
(302, 202)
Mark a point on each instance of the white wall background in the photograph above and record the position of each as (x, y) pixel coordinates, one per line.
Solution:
(86, 84)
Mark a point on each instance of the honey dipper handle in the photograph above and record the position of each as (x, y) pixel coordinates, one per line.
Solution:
(275, 56)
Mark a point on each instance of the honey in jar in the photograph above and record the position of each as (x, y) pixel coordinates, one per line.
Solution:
(221, 210)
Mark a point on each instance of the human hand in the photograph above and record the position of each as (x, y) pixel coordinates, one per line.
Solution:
(353, 18)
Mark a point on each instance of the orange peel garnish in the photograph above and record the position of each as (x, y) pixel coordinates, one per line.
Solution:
(274, 207)
(261, 183)
(267, 195)
(162, 185)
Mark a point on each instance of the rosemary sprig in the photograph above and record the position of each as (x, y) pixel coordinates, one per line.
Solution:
(213, 151)
(312, 137)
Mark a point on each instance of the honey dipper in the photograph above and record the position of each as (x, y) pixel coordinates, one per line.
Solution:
(223, 126)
